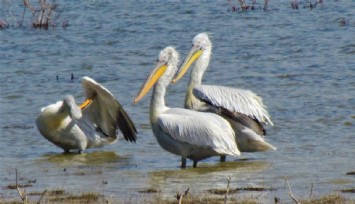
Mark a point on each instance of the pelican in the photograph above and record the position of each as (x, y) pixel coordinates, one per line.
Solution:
(243, 109)
(92, 124)
(187, 133)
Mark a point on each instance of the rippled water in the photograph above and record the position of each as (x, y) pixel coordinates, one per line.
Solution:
(302, 62)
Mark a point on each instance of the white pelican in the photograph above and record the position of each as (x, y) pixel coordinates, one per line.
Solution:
(242, 108)
(92, 124)
(183, 132)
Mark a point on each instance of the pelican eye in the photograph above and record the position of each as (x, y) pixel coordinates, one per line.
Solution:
(165, 62)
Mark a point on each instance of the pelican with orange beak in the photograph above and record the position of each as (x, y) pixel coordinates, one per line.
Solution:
(93, 123)
(187, 133)
(243, 109)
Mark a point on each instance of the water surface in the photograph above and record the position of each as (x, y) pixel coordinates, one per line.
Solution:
(301, 62)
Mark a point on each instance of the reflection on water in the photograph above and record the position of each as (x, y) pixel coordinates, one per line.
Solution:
(220, 167)
(206, 174)
(91, 158)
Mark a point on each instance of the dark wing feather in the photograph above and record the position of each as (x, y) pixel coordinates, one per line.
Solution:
(245, 120)
(236, 100)
(126, 125)
(106, 112)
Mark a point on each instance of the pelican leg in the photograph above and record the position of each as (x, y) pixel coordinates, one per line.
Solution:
(223, 158)
(195, 164)
(183, 163)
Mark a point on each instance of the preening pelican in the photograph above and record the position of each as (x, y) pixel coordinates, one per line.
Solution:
(242, 108)
(92, 124)
(183, 132)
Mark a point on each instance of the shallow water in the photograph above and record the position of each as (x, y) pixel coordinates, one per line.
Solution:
(301, 62)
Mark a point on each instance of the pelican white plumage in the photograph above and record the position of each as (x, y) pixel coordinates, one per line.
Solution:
(92, 124)
(242, 108)
(187, 133)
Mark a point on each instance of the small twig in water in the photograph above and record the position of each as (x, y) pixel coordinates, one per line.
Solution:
(3, 24)
(265, 5)
(28, 5)
(310, 195)
(59, 14)
(243, 5)
(44, 192)
(234, 8)
(294, 4)
(289, 191)
(21, 193)
(228, 183)
(179, 196)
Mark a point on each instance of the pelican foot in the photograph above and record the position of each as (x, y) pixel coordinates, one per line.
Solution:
(195, 164)
(223, 158)
(183, 163)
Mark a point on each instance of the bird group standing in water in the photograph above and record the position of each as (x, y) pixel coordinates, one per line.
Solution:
(216, 120)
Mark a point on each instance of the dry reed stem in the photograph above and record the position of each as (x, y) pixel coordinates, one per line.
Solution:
(310, 195)
(228, 185)
(179, 196)
(28, 5)
(20, 192)
(44, 13)
(44, 192)
(290, 192)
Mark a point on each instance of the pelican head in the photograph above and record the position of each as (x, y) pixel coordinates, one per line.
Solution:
(201, 48)
(164, 71)
(69, 106)
(52, 116)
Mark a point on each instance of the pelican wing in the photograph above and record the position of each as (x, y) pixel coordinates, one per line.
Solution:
(243, 120)
(201, 129)
(106, 112)
(235, 100)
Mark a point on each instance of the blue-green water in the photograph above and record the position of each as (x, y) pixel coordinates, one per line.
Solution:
(301, 62)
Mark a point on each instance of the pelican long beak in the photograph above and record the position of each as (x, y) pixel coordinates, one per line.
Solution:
(193, 55)
(158, 71)
(87, 102)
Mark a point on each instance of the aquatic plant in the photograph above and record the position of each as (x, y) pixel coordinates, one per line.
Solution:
(310, 4)
(250, 5)
(244, 6)
(45, 14)
(295, 4)
(3, 24)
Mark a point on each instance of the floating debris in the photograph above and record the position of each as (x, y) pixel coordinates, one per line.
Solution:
(342, 21)
(348, 190)
(18, 126)
(14, 186)
(235, 190)
(150, 190)
(294, 4)
(3, 24)
(347, 123)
